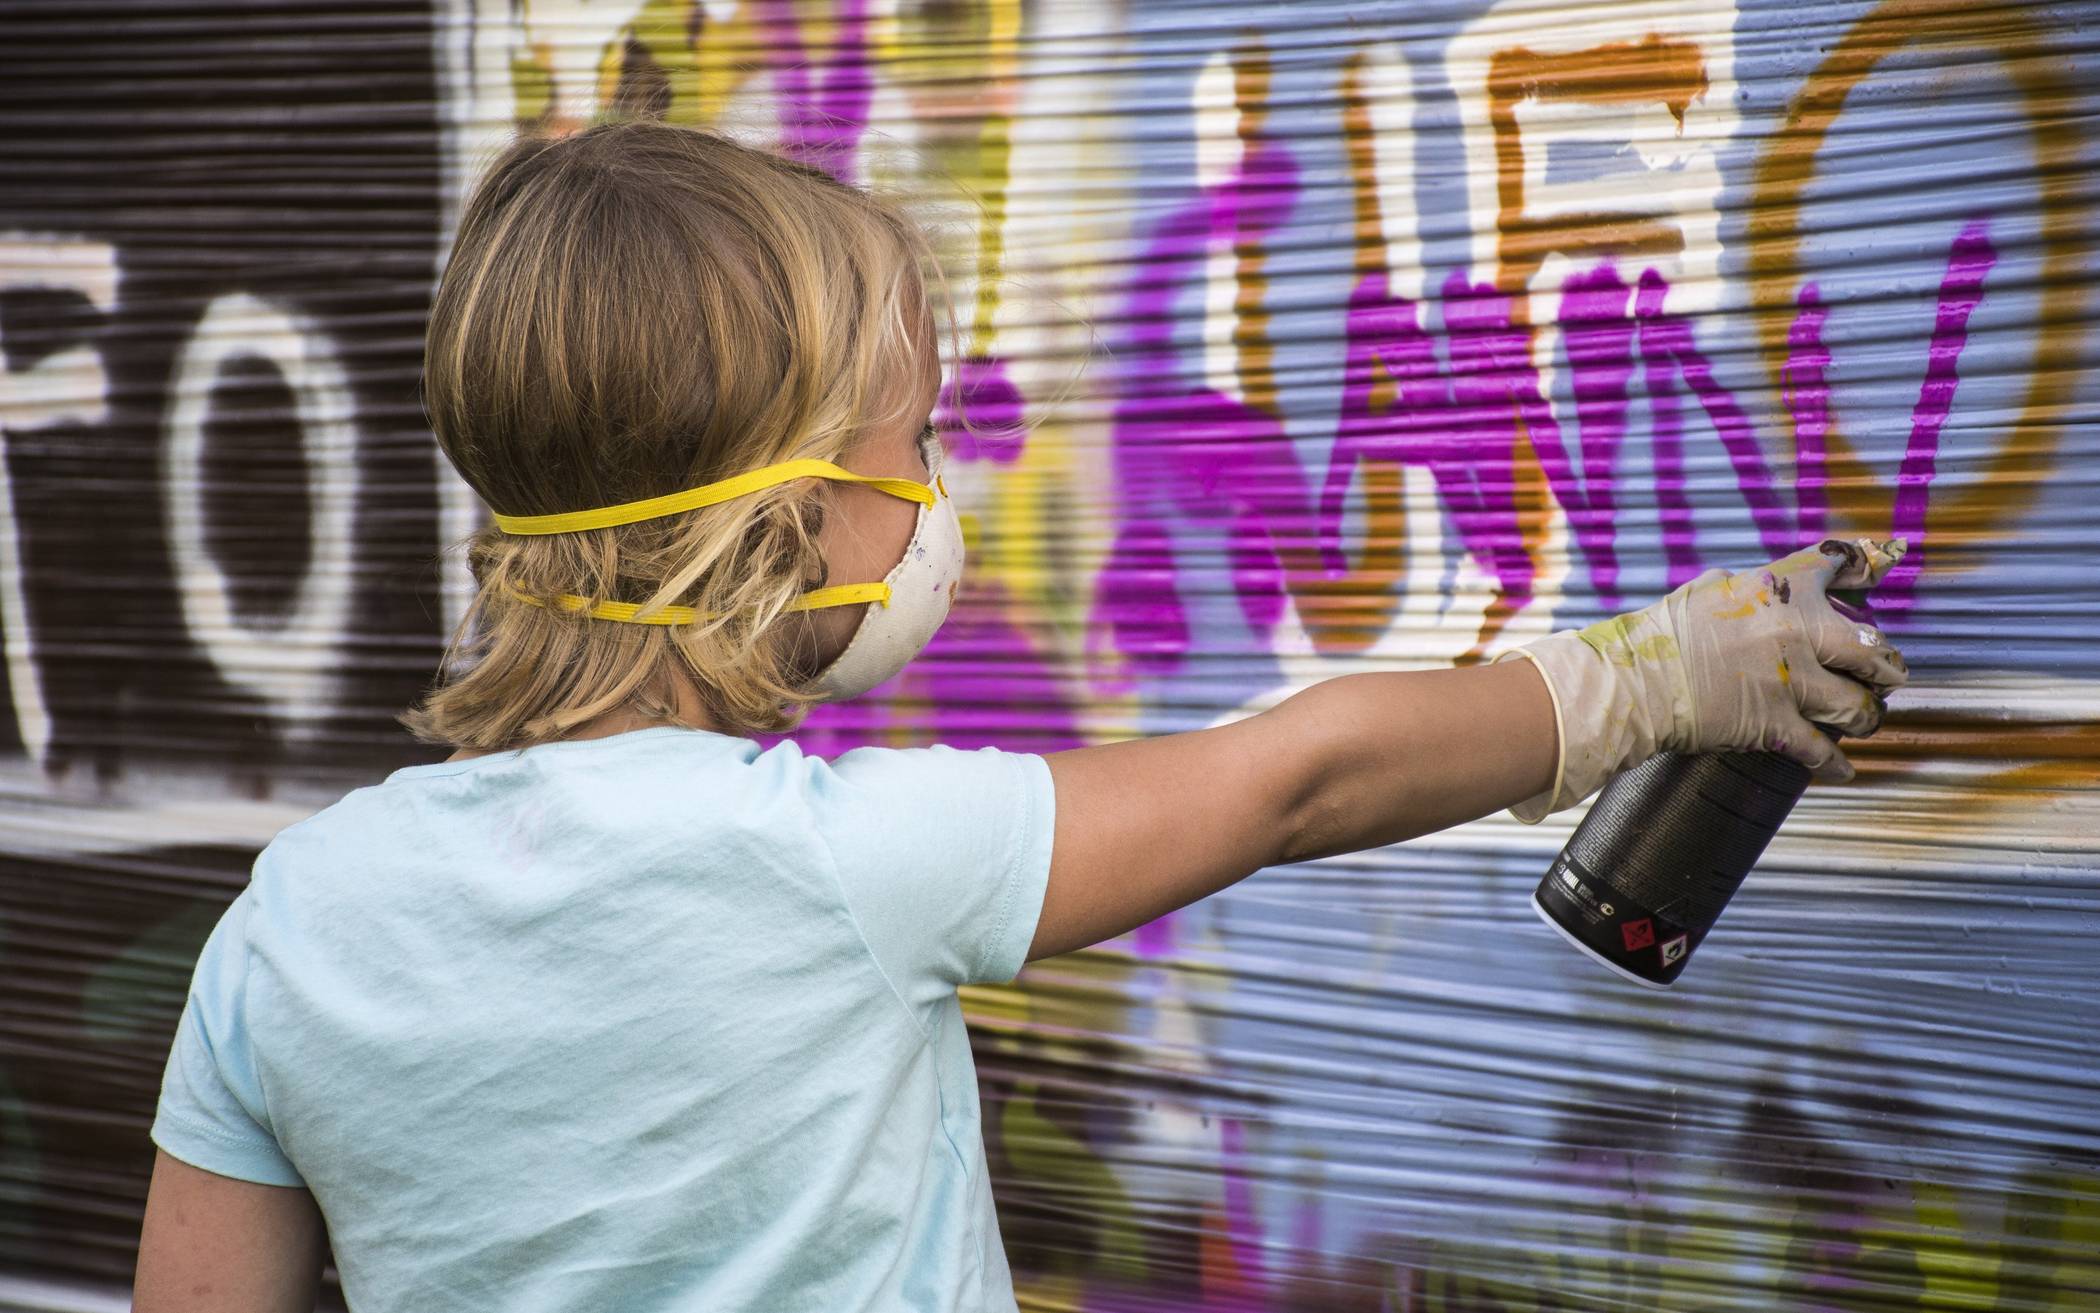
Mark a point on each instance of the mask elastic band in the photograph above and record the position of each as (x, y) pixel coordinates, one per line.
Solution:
(628, 613)
(709, 494)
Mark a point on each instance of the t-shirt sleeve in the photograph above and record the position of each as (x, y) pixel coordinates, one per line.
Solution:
(944, 855)
(212, 1113)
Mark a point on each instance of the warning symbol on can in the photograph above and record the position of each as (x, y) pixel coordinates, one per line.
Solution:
(1672, 949)
(1638, 934)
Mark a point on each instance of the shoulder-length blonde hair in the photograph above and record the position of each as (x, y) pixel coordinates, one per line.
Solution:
(630, 311)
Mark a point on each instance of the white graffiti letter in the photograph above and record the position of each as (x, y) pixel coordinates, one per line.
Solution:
(292, 664)
(67, 387)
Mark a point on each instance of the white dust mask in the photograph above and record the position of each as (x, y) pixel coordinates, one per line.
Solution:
(921, 588)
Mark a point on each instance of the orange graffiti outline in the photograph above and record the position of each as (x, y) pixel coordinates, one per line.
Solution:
(2010, 475)
(1652, 69)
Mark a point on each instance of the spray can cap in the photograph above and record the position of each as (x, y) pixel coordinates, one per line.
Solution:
(1862, 561)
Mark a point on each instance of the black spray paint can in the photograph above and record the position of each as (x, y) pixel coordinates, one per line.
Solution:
(1665, 846)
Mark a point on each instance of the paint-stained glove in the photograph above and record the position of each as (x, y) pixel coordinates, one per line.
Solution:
(1727, 662)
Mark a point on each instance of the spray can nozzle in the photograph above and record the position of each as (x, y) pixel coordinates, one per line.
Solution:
(1850, 603)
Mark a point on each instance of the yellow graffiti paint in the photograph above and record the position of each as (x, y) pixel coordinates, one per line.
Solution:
(531, 86)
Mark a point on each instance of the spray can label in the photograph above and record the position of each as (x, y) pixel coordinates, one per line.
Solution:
(1611, 925)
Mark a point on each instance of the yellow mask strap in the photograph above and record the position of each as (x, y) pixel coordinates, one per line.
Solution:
(709, 494)
(626, 612)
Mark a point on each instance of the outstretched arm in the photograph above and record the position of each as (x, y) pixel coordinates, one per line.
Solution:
(1151, 825)
(1726, 662)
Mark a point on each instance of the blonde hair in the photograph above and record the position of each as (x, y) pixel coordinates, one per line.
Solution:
(630, 311)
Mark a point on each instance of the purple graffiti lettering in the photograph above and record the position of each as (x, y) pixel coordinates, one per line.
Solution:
(821, 125)
(1666, 441)
(1462, 426)
(986, 683)
(1598, 333)
(983, 681)
(1805, 391)
(1383, 337)
(1135, 598)
(1154, 939)
(831, 728)
(1670, 336)
(1493, 389)
(1196, 453)
(992, 404)
(1969, 261)
(1195, 449)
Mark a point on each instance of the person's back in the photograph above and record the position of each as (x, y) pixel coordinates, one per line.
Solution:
(652, 1021)
(613, 1010)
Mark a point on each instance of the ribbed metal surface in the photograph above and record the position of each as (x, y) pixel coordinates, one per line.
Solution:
(1417, 330)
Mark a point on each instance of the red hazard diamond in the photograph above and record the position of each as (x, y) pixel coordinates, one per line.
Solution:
(1637, 934)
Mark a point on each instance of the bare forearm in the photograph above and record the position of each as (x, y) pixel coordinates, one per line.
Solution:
(1393, 756)
(1150, 825)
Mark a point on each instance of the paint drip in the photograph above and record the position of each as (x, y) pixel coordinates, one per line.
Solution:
(1664, 848)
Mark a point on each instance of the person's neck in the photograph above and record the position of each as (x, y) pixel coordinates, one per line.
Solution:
(622, 720)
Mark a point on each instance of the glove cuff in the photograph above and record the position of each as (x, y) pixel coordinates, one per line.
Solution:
(1610, 713)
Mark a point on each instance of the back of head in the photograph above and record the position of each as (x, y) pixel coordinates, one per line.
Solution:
(628, 312)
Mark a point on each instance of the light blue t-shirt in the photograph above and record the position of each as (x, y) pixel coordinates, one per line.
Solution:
(660, 1021)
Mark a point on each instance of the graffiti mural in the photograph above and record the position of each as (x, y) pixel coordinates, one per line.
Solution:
(1296, 340)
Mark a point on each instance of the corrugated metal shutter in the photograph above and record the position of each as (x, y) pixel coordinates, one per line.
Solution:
(1416, 331)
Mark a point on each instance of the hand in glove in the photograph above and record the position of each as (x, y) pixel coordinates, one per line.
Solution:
(1727, 662)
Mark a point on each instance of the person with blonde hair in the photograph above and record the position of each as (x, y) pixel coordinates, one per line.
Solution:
(614, 1008)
